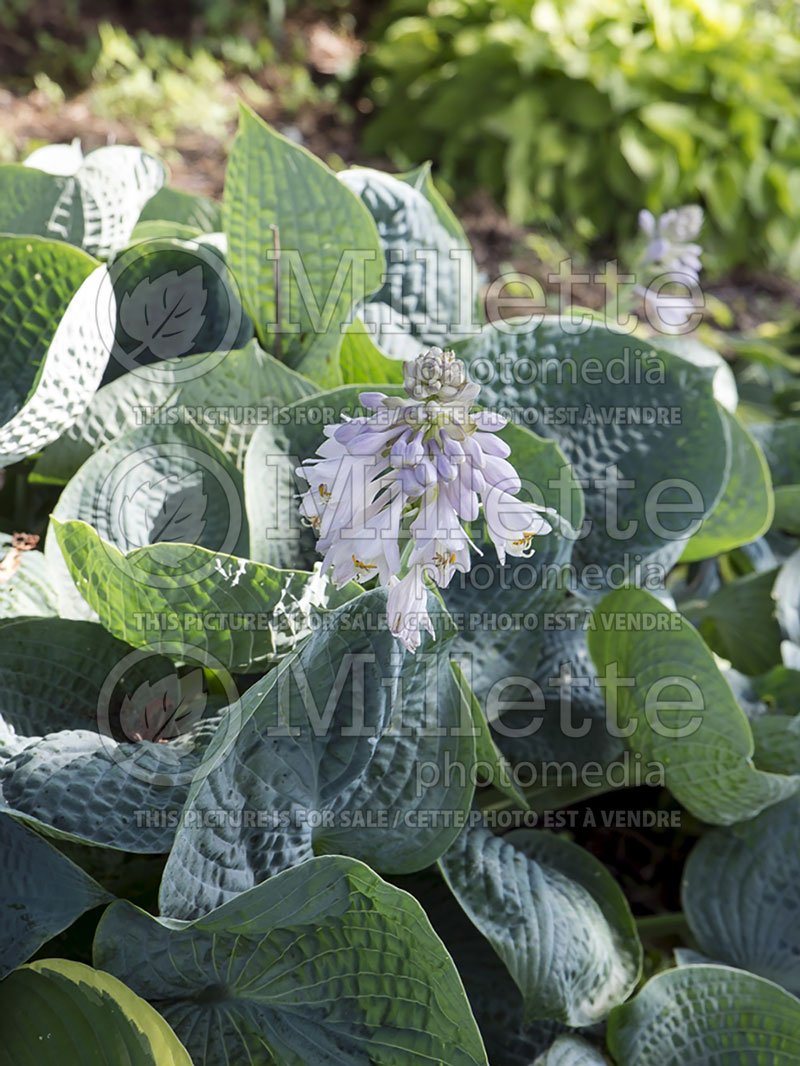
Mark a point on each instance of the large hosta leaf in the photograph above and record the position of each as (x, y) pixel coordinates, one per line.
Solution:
(57, 1012)
(156, 484)
(96, 206)
(225, 395)
(81, 717)
(344, 748)
(554, 915)
(641, 428)
(303, 247)
(362, 361)
(41, 893)
(746, 507)
(706, 1016)
(241, 612)
(115, 183)
(495, 999)
(323, 963)
(53, 344)
(741, 894)
(663, 687)
(428, 292)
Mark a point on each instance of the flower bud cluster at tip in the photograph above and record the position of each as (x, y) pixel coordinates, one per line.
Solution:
(414, 470)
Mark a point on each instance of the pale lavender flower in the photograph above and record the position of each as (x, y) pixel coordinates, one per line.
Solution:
(413, 471)
(672, 236)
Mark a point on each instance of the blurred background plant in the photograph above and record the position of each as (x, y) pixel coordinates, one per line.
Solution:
(571, 111)
(550, 123)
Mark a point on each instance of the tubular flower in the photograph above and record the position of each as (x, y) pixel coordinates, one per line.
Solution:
(414, 470)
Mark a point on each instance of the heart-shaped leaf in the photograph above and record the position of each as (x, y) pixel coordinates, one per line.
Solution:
(706, 1016)
(741, 894)
(344, 748)
(555, 917)
(304, 248)
(57, 1012)
(641, 428)
(41, 893)
(429, 289)
(322, 963)
(663, 688)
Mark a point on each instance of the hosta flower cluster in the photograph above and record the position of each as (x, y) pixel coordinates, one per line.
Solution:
(411, 474)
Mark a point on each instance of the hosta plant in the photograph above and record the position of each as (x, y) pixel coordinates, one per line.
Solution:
(343, 634)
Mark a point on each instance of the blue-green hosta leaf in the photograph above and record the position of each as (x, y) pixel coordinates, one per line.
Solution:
(98, 741)
(53, 343)
(641, 428)
(95, 207)
(324, 963)
(41, 893)
(780, 442)
(241, 612)
(706, 1016)
(428, 293)
(662, 685)
(738, 622)
(741, 894)
(341, 749)
(26, 586)
(693, 351)
(225, 395)
(158, 484)
(501, 610)
(555, 916)
(571, 1051)
(303, 247)
(746, 507)
(57, 1012)
(558, 741)
(495, 999)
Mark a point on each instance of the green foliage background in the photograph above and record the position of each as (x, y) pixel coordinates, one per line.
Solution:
(575, 111)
